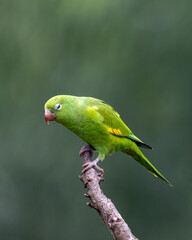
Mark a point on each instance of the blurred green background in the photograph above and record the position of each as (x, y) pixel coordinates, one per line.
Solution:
(135, 55)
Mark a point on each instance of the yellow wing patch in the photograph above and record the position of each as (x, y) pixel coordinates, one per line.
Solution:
(115, 131)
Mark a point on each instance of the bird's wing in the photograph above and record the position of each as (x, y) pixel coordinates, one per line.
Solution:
(114, 123)
(138, 141)
(112, 119)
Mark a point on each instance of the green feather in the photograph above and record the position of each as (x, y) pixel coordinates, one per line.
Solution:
(138, 141)
(98, 124)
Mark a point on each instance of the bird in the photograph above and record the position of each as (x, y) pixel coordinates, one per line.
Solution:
(100, 126)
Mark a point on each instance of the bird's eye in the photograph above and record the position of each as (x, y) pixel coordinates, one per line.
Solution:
(58, 106)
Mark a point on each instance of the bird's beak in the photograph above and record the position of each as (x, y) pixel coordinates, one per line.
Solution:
(49, 116)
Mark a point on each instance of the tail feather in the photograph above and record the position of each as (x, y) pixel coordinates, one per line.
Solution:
(139, 157)
(143, 145)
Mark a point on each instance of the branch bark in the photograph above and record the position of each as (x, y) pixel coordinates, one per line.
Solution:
(106, 209)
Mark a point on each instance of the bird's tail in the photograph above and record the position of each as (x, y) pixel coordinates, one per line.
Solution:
(139, 157)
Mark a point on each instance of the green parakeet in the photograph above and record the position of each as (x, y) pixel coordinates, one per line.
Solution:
(98, 124)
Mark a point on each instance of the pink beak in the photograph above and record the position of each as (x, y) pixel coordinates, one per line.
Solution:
(49, 116)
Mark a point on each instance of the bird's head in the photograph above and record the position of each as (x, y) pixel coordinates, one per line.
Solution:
(54, 108)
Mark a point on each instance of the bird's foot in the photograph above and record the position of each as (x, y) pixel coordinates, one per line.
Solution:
(93, 164)
(87, 148)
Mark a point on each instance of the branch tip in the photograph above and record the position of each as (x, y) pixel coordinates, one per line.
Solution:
(90, 204)
(87, 195)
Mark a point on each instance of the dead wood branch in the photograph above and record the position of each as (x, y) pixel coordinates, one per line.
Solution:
(106, 209)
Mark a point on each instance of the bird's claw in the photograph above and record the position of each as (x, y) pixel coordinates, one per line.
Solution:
(90, 165)
(87, 148)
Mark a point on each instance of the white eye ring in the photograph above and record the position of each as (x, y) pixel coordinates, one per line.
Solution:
(57, 106)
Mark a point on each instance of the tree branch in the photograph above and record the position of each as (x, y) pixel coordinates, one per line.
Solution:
(106, 209)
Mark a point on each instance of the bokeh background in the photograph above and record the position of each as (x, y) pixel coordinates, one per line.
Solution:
(135, 55)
